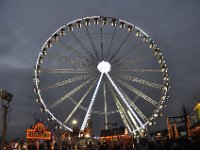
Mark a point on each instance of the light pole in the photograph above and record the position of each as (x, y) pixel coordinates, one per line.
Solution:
(75, 133)
(75, 128)
(6, 98)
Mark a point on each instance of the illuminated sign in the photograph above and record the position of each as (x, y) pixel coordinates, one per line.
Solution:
(38, 132)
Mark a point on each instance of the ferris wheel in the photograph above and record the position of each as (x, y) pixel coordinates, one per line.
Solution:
(104, 70)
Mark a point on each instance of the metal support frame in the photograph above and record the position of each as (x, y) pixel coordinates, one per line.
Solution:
(178, 120)
(6, 98)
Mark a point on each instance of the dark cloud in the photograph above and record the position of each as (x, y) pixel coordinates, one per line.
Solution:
(25, 25)
(23, 106)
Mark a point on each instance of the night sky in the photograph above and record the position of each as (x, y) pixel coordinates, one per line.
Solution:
(25, 26)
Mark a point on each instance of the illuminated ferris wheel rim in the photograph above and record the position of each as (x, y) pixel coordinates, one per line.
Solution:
(104, 66)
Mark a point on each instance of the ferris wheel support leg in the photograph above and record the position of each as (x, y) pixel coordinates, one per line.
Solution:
(88, 113)
(105, 107)
(124, 100)
(132, 104)
(126, 120)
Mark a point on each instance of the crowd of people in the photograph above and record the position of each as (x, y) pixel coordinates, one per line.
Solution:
(163, 144)
(175, 144)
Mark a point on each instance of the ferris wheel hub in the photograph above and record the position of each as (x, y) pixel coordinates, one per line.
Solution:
(104, 67)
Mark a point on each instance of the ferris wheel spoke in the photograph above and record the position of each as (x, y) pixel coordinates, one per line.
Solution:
(88, 113)
(103, 113)
(75, 52)
(65, 82)
(140, 59)
(119, 59)
(138, 92)
(81, 107)
(122, 112)
(139, 112)
(82, 46)
(66, 70)
(119, 48)
(134, 60)
(102, 44)
(67, 59)
(70, 93)
(92, 43)
(78, 105)
(137, 96)
(93, 112)
(141, 81)
(137, 70)
(124, 100)
(111, 41)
